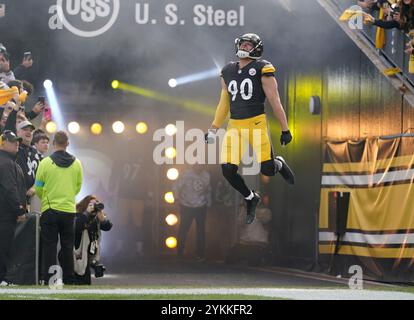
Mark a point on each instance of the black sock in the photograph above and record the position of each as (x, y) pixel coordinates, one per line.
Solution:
(235, 179)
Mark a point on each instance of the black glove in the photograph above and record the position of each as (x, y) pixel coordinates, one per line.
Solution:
(285, 138)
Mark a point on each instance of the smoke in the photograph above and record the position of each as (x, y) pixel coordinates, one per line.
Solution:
(297, 34)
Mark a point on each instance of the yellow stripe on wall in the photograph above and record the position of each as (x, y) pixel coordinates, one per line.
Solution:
(375, 209)
(397, 253)
(404, 161)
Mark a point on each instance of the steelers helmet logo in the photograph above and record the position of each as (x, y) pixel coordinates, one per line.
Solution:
(252, 72)
(198, 185)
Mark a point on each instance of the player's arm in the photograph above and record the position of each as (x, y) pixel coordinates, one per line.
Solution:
(223, 107)
(222, 111)
(271, 90)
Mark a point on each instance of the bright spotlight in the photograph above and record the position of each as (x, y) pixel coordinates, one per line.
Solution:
(169, 197)
(115, 84)
(51, 127)
(73, 127)
(96, 128)
(118, 127)
(172, 174)
(48, 84)
(171, 242)
(142, 128)
(203, 75)
(171, 219)
(172, 83)
(170, 129)
(170, 153)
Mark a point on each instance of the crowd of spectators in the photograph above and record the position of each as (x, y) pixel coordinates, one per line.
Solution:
(397, 14)
(33, 180)
(15, 93)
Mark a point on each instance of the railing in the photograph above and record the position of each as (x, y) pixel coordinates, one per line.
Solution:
(394, 47)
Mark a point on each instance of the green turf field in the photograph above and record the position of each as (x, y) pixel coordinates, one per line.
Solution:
(198, 293)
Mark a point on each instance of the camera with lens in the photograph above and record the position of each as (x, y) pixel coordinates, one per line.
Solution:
(99, 206)
(99, 269)
(395, 9)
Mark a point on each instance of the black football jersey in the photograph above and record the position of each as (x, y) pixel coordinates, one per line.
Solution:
(244, 86)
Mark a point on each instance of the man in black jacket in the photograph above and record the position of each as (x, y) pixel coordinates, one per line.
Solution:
(12, 197)
(28, 157)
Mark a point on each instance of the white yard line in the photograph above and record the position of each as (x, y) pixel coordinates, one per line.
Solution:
(297, 294)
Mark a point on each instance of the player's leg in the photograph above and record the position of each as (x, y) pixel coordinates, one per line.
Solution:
(237, 182)
(262, 145)
(230, 173)
(231, 155)
(234, 145)
(284, 170)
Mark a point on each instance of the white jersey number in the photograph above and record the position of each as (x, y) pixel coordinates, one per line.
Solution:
(246, 89)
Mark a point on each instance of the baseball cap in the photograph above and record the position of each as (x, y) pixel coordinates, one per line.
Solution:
(9, 136)
(25, 124)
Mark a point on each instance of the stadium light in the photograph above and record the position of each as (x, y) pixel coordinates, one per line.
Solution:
(118, 127)
(142, 128)
(54, 105)
(96, 128)
(115, 84)
(172, 174)
(199, 76)
(169, 197)
(171, 219)
(48, 84)
(171, 242)
(171, 153)
(51, 127)
(171, 129)
(73, 127)
(192, 105)
(172, 83)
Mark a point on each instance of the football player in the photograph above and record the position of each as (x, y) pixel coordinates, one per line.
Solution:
(246, 85)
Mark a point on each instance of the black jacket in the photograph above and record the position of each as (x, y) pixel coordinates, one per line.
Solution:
(406, 27)
(28, 159)
(86, 221)
(12, 188)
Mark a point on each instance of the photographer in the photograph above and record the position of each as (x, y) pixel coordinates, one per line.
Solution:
(90, 220)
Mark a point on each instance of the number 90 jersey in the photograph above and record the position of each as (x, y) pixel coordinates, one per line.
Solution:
(245, 89)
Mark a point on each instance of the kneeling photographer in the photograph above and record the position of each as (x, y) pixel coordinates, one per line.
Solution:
(90, 220)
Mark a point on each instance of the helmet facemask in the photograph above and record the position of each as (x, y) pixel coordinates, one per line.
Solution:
(255, 53)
